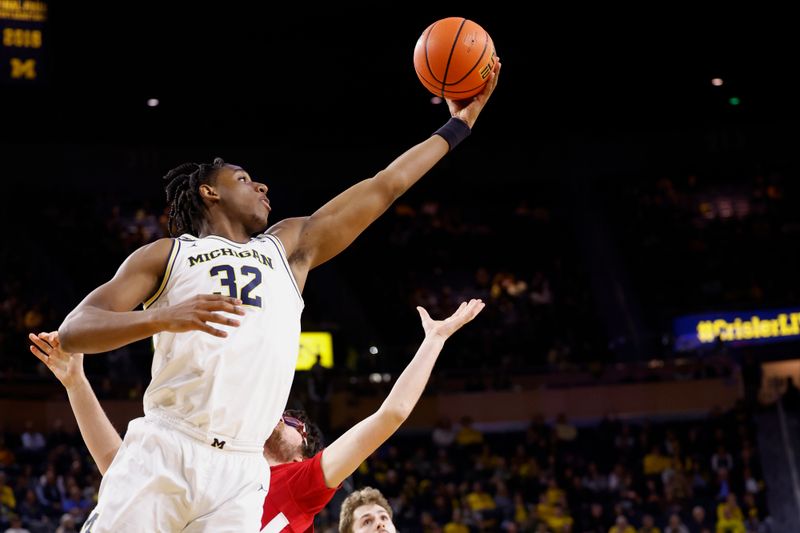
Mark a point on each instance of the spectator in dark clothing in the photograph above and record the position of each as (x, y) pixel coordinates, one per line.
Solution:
(791, 398)
(698, 522)
(595, 521)
(751, 376)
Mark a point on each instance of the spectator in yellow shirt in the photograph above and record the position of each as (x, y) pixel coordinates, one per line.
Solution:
(655, 462)
(482, 505)
(543, 508)
(730, 507)
(554, 493)
(728, 522)
(468, 435)
(480, 500)
(7, 498)
(456, 523)
(559, 521)
(621, 525)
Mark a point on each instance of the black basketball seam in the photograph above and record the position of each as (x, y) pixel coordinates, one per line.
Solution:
(478, 62)
(426, 80)
(451, 92)
(427, 62)
(452, 49)
(435, 85)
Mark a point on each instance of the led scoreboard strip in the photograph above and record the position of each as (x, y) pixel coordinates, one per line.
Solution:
(22, 30)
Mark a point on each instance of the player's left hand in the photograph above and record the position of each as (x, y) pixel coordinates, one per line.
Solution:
(444, 328)
(66, 367)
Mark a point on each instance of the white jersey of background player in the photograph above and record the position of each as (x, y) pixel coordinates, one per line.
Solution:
(167, 476)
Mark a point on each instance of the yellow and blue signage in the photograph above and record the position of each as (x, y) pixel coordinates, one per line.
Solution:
(737, 328)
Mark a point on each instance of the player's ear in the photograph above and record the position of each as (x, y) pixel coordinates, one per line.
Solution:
(208, 192)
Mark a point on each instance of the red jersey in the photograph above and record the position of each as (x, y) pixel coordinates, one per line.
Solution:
(297, 492)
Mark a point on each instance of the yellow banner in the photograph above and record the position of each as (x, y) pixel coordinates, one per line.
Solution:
(313, 344)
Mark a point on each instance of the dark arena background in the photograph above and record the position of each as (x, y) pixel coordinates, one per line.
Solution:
(626, 206)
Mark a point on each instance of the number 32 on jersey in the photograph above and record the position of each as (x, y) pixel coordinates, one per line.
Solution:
(240, 284)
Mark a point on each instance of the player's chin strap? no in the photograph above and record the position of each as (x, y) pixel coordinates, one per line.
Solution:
(454, 131)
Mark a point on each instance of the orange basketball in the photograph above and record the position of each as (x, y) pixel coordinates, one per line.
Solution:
(453, 58)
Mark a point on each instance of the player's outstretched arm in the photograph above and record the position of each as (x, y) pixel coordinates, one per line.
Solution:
(98, 433)
(343, 456)
(311, 241)
(106, 320)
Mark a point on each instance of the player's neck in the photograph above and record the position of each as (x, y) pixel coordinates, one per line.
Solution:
(225, 229)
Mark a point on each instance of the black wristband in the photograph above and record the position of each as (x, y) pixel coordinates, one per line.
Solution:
(454, 131)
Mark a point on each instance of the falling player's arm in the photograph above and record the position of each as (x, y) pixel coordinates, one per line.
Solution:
(101, 439)
(106, 320)
(311, 241)
(346, 453)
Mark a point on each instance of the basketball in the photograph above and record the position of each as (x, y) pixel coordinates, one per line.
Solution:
(453, 58)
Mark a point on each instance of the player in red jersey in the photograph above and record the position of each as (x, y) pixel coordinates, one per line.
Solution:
(304, 476)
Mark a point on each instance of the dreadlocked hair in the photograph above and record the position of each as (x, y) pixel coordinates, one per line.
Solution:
(186, 206)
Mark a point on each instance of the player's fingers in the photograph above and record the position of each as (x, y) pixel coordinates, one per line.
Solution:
(468, 311)
(40, 342)
(460, 310)
(224, 305)
(40, 338)
(218, 318)
(475, 302)
(423, 313)
(53, 339)
(202, 326)
(38, 351)
(476, 306)
(219, 298)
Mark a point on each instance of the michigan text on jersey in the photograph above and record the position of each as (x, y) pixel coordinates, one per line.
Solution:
(229, 252)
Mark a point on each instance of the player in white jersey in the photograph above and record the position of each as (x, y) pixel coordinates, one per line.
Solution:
(304, 476)
(227, 391)
(223, 301)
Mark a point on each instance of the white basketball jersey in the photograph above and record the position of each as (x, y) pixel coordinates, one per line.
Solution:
(227, 390)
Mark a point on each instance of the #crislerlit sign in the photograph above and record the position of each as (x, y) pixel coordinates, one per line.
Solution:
(738, 328)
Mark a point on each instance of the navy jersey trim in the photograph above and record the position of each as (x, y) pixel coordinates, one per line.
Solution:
(173, 255)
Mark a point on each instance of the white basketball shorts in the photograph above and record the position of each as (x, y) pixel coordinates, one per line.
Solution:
(162, 480)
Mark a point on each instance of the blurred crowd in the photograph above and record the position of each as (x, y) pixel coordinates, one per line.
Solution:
(615, 476)
(612, 477)
(697, 242)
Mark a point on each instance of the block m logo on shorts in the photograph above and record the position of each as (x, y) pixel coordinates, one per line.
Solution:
(218, 443)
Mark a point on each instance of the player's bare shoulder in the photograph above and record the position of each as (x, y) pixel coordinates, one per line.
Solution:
(160, 248)
(290, 232)
(153, 256)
